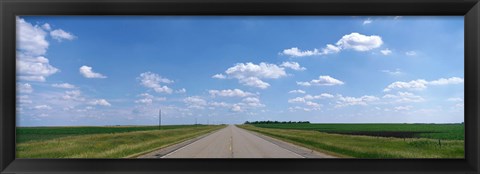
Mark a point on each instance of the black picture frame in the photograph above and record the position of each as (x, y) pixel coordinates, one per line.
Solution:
(470, 9)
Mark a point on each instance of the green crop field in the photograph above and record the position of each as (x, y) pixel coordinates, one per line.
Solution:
(348, 144)
(26, 134)
(433, 131)
(101, 142)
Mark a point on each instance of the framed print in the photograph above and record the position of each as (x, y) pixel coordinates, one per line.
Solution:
(290, 86)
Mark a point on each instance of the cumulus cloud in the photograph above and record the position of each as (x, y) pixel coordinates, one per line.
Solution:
(219, 76)
(100, 102)
(32, 46)
(322, 81)
(293, 65)
(253, 102)
(87, 72)
(250, 74)
(181, 91)
(295, 52)
(24, 88)
(148, 99)
(355, 41)
(154, 81)
(73, 95)
(47, 27)
(297, 91)
(195, 102)
(449, 81)
(31, 39)
(386, 52)
(310, 97)
(359, 42)
(34, 68)
(63, 85)
(404, 97)
(351, 101)
(60, 35)
(230, 93)
(421, 84)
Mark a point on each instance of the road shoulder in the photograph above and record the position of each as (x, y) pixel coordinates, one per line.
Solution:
(305, 152)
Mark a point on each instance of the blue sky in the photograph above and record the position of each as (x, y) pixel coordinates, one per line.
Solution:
(121, 70)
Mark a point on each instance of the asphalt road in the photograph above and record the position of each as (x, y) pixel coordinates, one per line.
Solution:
(233, 142)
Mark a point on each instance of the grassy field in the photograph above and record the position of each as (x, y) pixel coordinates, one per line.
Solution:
(101, 142)
(433, 131)
(356, 146)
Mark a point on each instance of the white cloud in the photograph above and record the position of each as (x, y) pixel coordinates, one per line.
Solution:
(87, 72)
(359, 42)
(386, 51)
(195, 102)
(60, 35)
(42, 107)
(421, 84)
(297, 91)
(181, 91)
(410, 53)
(449, 81)
(322, 81)
(297, 100)
(34, 68)
(236, 108)
(397, 17)
(230, 93)
(253, 102)
(395, 72)
(355, 41)
(148, 99)
(73, 95)
(295, 52)
(24, 88)
(404, 97)
(100, 102)
(219, 76)
(31, 39)
(351, 101)
(330, 49)
(63, 85)
(219, 104)
(250, 74)
(32, 46)
(321, 96)
(293, 65)
(153, 81)
(46, 26)
(367, 21)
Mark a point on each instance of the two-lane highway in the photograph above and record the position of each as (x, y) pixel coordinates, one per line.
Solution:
(232, 142)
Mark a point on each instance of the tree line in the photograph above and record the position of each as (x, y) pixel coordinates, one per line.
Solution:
(276, 122)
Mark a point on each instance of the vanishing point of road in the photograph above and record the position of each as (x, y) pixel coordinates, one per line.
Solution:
(233, 142)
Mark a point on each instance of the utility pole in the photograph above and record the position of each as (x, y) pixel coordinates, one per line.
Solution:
(159, 119)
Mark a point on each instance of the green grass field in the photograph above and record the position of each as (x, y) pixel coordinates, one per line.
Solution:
(356, 146)
(433, 131)
(101, 142)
